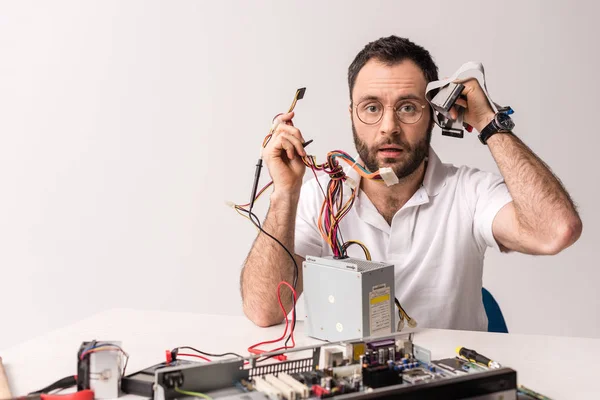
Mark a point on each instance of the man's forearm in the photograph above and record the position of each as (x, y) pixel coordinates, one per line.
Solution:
(543, 207)
(268, 264)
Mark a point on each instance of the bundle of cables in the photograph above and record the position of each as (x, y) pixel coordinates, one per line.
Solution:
(333, 209)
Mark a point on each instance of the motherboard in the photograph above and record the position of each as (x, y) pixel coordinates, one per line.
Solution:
(382, 367)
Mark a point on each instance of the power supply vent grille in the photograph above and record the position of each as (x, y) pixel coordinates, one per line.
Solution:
(365, 266)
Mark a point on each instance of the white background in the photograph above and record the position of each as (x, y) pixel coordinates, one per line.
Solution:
(125, 126)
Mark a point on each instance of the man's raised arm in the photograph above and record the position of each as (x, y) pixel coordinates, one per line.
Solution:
(268, 263)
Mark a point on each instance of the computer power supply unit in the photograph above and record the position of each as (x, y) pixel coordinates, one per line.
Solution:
(348, 298)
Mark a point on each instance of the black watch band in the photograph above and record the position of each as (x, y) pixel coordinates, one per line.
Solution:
(494, 127)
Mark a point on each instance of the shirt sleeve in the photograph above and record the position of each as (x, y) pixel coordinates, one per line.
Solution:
(488, 194)
(308, 240)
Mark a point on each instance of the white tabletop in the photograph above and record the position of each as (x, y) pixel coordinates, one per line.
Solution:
(559, 367)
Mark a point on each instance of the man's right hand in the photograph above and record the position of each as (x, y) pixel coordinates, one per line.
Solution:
(283, 157)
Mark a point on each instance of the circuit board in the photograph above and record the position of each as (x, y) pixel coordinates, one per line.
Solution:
(388, 367)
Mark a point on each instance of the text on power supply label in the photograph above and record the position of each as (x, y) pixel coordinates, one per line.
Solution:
(379, 310)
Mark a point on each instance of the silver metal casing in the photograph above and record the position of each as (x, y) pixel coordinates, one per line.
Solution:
(348, 298)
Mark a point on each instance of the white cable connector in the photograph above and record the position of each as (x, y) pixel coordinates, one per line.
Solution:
(350, 182)
(388, 176)
(230, 204)
(447, 93)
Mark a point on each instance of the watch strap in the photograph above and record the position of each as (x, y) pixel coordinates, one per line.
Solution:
(490, 129)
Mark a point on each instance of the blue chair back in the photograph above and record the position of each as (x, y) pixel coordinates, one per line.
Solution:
(496, 321)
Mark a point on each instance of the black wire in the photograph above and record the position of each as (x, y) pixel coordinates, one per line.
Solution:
(63, 383)
(295, 281)
(176, 349)
(256, 222)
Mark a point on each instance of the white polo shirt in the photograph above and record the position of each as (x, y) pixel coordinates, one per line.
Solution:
(436, 241)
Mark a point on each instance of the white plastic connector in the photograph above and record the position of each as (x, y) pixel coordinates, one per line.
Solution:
(388, 176)
(300, 388)
(265, 387)
(288, 392)
(230, 204)
(347, 371)
(350, 182)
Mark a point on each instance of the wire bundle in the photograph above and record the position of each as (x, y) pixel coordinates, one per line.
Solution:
(403, 316)
(333, 209)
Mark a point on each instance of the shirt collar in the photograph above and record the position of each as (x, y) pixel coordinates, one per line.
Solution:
(435, 174)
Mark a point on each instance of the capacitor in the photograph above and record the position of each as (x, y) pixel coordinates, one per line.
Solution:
(381, 353)
(392, 353)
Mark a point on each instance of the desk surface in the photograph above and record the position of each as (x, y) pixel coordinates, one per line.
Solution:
(559, 367)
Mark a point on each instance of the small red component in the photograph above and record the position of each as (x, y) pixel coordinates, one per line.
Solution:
(318, 390)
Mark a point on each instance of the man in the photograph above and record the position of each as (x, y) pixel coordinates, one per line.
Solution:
(436, 223)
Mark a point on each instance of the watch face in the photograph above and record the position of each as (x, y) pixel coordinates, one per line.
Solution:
(505, 121)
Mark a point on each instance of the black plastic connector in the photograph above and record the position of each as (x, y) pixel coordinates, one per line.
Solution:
(173, 379)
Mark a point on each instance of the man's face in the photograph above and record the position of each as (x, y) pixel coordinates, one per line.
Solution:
(391, 142)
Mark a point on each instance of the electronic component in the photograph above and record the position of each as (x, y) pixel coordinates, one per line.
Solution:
(287, 390)
(301, 390)
(417, 375)
(355, 350)
(380, 376)
(300, 378)
(346, 371)
(442, 95)
(332, 356)
(446, 97)
(348, 298)
(100, 368)
(389, 176)
(140, 383)
(264, 386)
(422, 354)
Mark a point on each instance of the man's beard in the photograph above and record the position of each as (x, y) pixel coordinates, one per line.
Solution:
(402, 167)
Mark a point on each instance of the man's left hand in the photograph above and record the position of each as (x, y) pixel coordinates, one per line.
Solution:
(478, 111)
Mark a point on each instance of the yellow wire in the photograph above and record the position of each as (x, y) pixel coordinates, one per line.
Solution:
(411, 322)
(362, 245)
(237, 209)
(195, 394)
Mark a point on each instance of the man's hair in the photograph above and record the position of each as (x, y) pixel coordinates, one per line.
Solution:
(393, 50)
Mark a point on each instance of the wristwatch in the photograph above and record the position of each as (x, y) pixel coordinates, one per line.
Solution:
(501, 123)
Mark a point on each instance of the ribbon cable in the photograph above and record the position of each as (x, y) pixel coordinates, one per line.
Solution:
(447, 94)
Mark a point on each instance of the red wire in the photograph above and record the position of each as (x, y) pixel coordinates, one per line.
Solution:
(253, 349)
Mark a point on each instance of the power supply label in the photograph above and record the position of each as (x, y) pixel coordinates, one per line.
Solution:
(379, 310)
